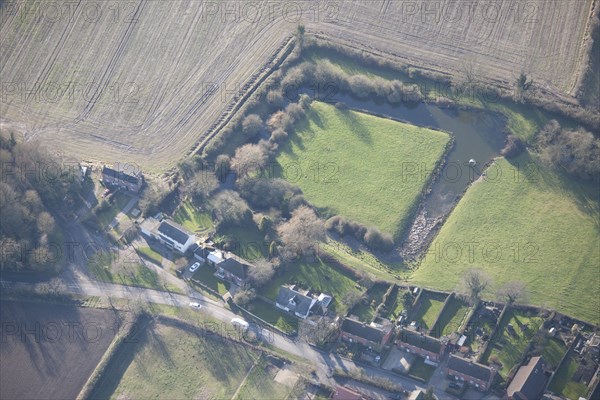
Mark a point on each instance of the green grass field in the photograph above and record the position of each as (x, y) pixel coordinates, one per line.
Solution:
(167, 362)
(538, 227)
(192, 219)
(562, 383)
(453, 315)
(509, 349)
(430, 306)
(320, 277)
(351, 164)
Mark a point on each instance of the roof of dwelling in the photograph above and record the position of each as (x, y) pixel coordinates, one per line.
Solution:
(362, 330)
(529, 380)
(121, 175)
(469, 368)
(342, 393)
(201, 251)
(234, 267)
(324, 299)
(302, 303)
(421, 341)
(216, 256)
(174, 231)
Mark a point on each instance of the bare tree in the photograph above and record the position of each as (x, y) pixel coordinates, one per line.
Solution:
(201, 186)
(316, 329)
(248, 158)
(252, 125)
(231, 209)
(512, 292)
(474, 282)
(302, 232)
(261, 273)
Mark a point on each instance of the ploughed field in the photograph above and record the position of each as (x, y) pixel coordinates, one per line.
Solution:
(143, 81)
(49, 351)
(351, 164)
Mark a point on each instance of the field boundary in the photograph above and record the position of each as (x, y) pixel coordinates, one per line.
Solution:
(276, 60)
(132, 330)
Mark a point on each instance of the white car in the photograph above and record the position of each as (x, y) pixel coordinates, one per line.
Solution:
(195, 305)
(194, 267)
(240, 322)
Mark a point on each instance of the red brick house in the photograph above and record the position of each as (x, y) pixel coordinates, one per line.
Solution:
(418, 343)
(530, 381)
(477, 375)
(358, 332)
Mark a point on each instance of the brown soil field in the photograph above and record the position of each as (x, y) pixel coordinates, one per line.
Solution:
(144, 81)
(48, 351)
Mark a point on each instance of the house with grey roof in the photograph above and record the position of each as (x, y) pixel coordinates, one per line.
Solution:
(301, 303)
(477, 375)
(174, 236)
(233, 269)
(530, 381)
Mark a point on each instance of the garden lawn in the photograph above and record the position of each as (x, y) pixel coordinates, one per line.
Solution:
(365, 310)
(206, 275)
(188, 216)
(166, 362)
(318, 276)
(105, 217)
(350, 163)
(538, 227)
(553, 351)
(430, 305)
(508, 349)
(451, 318)
(273, 315)
(421, 370)
(395, 303)
(562, 383)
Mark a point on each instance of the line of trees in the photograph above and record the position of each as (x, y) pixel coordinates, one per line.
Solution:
(35, 187)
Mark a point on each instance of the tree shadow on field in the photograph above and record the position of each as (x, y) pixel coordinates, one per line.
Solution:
(121, 360)
(356, 127)
(584, 194)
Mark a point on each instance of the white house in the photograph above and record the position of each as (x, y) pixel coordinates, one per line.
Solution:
(174, 236)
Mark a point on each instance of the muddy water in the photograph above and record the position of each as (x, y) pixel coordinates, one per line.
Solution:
(478, 136)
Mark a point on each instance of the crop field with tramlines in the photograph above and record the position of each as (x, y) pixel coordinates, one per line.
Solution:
(145, 81)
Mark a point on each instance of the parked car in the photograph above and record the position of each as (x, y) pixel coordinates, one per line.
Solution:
(194, 267)
(195, 305)
(105, 193)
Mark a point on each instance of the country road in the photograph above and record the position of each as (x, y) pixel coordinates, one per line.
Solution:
(325, 363)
